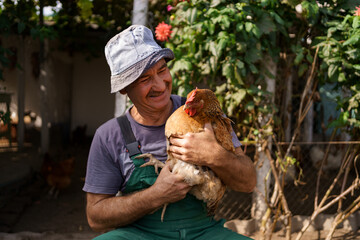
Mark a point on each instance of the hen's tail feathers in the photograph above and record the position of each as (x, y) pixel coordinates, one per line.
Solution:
(213, 205)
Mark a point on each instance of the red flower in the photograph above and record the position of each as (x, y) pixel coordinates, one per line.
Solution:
(163, 31)
(357, 11)
(169, 8)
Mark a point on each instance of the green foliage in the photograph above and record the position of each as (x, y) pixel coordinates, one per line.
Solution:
(18, 18)
(340, 51)
(220, 45)
(85, 8)
(4, 61)
(4, 117)
(79, 26)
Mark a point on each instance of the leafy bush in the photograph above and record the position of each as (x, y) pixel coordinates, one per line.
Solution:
(224, 45)
(340, 51)
(221, 45)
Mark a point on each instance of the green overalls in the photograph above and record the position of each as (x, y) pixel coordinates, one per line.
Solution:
(185, 219)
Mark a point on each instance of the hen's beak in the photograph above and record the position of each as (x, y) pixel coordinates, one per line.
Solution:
(186, 106)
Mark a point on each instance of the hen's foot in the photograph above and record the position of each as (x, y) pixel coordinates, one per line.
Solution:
(152, 162)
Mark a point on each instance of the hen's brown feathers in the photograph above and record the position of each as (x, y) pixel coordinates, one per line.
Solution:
(208, 111)
(180, 123)
(201, 107)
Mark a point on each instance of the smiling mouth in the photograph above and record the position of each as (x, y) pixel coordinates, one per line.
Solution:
(156, 94)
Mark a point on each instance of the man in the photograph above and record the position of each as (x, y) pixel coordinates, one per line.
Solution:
(138, 69)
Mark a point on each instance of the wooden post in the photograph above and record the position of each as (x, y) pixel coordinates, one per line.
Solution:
(139, 17)
(21, 53)
(259, 206)
(44, 49)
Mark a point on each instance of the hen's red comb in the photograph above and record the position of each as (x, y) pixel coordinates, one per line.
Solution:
(192, 96)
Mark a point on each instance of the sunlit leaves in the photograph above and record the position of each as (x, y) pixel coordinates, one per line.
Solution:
(354, 39)
(310, 11)
(86, 8)
(224, 44)
(182, 64)
(340, 54)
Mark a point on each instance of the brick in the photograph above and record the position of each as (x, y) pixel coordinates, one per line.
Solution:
(245, 227)
(299, 221)
(350, 224)
(328, 219)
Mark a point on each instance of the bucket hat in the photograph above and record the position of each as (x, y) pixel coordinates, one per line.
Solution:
(132, 52)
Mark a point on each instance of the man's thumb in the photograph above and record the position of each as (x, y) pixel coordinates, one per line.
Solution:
(208, 126)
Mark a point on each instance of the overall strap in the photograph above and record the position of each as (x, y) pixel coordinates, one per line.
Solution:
(131, 144)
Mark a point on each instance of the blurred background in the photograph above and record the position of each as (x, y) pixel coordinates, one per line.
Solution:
(286, 72)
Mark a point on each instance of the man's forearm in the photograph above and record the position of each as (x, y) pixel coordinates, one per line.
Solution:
(237, 171)
(106, 212)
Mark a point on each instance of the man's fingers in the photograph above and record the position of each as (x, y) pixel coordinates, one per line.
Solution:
(166, 167)
(177, 136)
(176, 141)
(174, 149)
(208, 126)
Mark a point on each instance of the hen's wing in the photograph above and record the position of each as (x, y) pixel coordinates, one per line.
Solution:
(222, 129)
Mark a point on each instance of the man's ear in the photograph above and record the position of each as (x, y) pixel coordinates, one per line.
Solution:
(123, 91)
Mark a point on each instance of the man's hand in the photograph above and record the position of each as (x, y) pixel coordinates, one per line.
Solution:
(196, 148)
(106, 211)
(170, 187)
(235, 169)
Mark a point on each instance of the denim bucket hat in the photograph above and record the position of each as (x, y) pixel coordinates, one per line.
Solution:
(131, 53)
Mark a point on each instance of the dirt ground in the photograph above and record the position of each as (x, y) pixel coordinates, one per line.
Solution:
(64, 217)
(46, 214)
(340, 234)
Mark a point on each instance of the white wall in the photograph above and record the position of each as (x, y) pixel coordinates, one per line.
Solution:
(92, 102)
(79, 90)
(32, 96)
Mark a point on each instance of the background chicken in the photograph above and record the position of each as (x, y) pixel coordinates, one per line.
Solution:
(57, 174)
(201, 107)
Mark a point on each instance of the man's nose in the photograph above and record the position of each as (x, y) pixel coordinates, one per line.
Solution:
(158, 83)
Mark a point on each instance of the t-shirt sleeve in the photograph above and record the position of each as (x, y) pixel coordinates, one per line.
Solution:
(235, 139)
(103, 174)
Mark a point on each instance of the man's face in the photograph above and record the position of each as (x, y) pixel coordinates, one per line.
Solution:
(153, 88)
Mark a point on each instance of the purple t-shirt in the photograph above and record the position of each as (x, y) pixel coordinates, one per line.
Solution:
(109, 166)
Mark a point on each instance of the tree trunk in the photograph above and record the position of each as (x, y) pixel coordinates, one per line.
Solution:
(140, 12)
(139, 17)
(20, 131)
(44, 96)
(287, 110)
(308, 124)
(259, 206)
(44, 88)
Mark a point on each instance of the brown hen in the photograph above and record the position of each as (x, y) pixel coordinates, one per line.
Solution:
(201, 107)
